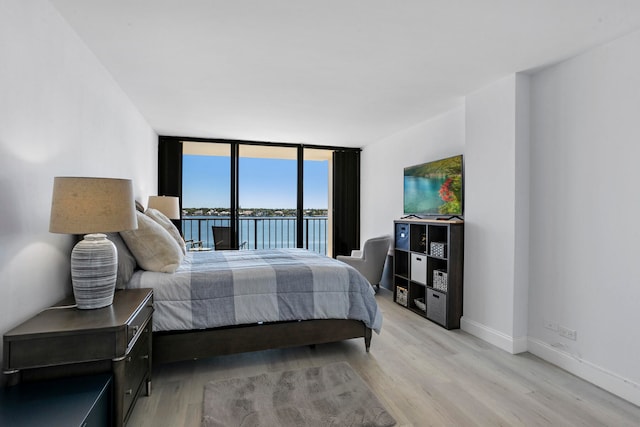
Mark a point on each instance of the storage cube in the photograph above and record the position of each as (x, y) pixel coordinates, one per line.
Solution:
(438, 249)
(440, 280)
(437, 306)
(402, 236)
(401, 295)
(419, 268)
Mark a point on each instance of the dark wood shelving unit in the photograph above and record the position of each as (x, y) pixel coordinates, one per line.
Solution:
(428, 268)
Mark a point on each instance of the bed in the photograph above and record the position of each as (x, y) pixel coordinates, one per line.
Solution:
(225, 302)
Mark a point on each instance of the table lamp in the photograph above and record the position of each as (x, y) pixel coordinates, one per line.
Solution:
(91, 206)
(168, 205)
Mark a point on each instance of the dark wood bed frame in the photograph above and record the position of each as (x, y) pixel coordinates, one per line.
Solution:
(187, 345)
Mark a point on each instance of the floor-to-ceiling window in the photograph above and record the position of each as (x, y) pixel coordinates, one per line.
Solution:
(206, 190)
(266, 195)
(266, 213)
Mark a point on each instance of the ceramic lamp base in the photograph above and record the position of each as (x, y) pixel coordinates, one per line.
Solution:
(94, 267)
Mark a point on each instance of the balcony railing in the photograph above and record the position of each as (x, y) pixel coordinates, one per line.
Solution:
(261, 232)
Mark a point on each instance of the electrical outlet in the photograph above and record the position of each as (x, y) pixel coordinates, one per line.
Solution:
(551, 325)
(567, 333)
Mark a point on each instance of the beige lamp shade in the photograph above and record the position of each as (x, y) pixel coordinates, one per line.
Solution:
(83, 205)
(168, 205)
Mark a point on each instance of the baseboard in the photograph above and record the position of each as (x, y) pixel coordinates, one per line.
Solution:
(607, 380)
(499, 339)
(613, 383)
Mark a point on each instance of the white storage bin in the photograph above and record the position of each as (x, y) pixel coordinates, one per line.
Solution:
(419, 268)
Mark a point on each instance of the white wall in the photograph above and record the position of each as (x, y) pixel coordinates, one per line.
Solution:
(496, 255)
(60, 114)
(522, 209)
(585, 205)
(383, 164)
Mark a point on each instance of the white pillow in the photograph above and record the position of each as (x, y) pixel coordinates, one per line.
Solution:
(152, 246)
(166, 223)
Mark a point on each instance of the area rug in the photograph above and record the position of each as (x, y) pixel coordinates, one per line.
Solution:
(331, 395)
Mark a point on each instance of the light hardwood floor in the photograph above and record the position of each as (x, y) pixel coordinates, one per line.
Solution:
(424, 374)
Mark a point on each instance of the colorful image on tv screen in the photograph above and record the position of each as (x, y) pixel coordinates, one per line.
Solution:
(434, 188)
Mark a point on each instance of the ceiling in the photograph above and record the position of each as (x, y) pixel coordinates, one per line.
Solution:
(326, 72)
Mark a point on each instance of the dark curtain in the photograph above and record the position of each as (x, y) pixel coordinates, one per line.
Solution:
(346, 201)
(170, 170)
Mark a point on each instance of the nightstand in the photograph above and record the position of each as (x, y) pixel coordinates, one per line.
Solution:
(61, 342)
(83, 401)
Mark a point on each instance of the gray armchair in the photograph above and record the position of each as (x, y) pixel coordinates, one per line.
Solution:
(370, 260)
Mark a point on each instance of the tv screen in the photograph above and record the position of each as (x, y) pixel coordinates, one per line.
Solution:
(434, 188)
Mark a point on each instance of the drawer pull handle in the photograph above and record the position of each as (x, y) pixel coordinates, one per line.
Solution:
(128, 359)
(146, 356)
(435, 296)
(135, 329)
(128, 392)
(145, 330)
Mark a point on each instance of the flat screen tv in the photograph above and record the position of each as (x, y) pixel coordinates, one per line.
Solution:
(434, 188)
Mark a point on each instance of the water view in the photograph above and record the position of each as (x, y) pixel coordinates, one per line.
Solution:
(260, 232)
(266, 177)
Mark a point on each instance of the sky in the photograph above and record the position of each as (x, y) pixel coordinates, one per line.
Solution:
(263, 183)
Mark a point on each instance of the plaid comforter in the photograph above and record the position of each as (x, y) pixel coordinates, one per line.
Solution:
(212, 289)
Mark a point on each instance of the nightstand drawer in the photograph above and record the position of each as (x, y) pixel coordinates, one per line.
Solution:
(138, 322)
(137, 365)
(58, 349)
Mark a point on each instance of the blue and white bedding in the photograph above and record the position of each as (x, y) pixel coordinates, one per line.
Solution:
(222, 288)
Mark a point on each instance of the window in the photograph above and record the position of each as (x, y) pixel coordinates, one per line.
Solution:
(269, 195)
